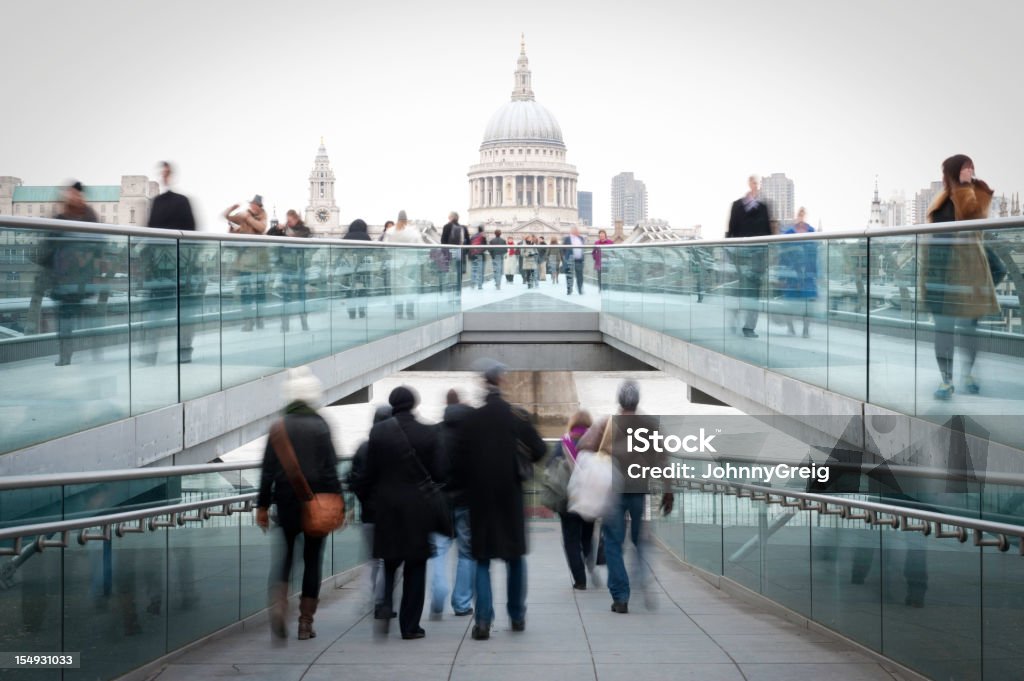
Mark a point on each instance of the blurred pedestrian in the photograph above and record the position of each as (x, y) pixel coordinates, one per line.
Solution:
(602, 240)
(610, 436)
(476, 257)
(497, 258)
(529, 254)
(171, 284)
(956, 272)
(310, 438)
(357, 484)
(401, 451)
(455, 413)
(799, 280)
(455, 234)
(511, 260)
(495, 442)
(750, 216)
(572, 259)
(542, 260)
(69, 261)
(405, 277)
(293, 262)
(577, 532)
(361, 260)
(251, 262)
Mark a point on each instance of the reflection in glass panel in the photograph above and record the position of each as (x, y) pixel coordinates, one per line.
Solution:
(65, 362)
(798, 345)
(742, 523)
(846, 578)
(714, 278)
(299, 288)
(153, 306)
(203, 576)
(251, 341)
(848, 306)
(702, 514)
(968, 326)
(931, 587)
(199, 293)
(892, 341)
(746, 326)
(115, 590)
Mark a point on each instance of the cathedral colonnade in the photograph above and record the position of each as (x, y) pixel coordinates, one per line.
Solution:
(523, 190)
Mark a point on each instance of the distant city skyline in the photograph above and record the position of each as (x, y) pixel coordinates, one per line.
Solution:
(402, 120)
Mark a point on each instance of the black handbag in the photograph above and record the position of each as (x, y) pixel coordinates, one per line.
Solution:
(432, 492)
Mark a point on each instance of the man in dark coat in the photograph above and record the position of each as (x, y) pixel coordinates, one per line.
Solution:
(573, 260)
(497, 257)
(356, 482)
(456, 235)
(493, 442)
(749, 216)
(171, 210)
(402, 531)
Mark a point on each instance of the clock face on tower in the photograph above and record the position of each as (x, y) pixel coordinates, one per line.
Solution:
(323, 215)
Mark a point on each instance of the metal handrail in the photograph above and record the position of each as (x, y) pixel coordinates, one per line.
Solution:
(989, 477)
(121, 474)
(874, 513)
(175, 513)
(100, 228)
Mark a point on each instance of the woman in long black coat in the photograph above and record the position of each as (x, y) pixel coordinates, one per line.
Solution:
(402, 532)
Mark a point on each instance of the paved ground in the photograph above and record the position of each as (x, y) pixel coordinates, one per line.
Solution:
(692, 631)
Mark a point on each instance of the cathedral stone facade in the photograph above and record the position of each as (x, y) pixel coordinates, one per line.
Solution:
(523, 182)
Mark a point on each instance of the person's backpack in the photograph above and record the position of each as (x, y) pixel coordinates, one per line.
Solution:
(477, 240)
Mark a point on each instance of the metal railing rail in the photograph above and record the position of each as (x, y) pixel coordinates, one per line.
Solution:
(117, 524)
(121, 474)
(872, 469)
(928, 523)
(101, 228)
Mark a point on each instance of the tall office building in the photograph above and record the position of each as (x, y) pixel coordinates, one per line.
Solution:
(778, 190)
(895, 211)
(629, 199)
(585, 205)
(923, 199)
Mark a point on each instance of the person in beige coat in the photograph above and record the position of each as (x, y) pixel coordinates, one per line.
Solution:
(252, 262)
(955, 276)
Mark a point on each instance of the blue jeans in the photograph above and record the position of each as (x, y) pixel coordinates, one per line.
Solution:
(465, 571)
(516, 591)
(476, 268)
(438, 565)
(614, 530)
(498, 263)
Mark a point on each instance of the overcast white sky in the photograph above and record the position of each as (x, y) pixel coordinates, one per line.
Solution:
(690, 96)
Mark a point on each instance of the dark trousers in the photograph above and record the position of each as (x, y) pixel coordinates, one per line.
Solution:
(414, 590)
(312, 556)
(578, 539)
(574, 270)
(945, 343)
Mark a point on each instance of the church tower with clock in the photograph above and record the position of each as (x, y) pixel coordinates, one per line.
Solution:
(322, 211)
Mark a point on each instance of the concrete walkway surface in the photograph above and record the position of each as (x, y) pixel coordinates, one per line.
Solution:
(681, 629)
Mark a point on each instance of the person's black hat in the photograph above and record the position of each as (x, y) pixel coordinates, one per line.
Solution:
(76, 185)
(402, 399)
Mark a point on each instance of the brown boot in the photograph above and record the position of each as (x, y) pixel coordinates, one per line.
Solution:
(279, 609)
(307, 608)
